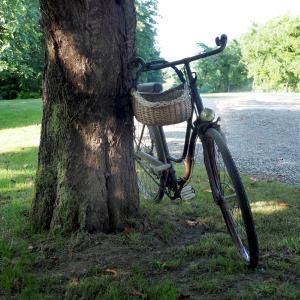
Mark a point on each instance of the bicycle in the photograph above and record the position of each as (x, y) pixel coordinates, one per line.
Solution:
(155, 165)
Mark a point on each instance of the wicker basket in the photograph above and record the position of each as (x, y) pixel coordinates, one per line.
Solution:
(170, 107)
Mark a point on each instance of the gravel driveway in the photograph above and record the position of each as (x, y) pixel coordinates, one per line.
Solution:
(262, 130)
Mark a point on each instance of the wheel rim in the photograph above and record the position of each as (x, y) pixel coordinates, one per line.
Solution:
(229, 203)
(237, 233)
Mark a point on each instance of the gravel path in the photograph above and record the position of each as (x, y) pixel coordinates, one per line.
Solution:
(262, 130)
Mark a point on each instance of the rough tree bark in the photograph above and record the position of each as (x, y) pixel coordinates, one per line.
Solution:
(86, 178)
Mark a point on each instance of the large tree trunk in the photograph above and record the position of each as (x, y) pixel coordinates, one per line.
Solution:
(86, 177)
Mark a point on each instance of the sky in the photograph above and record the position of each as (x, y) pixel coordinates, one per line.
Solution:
(184, 23)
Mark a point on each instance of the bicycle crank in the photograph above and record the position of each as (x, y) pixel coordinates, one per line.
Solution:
(187, 193)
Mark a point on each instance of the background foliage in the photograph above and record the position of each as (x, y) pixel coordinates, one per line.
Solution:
(146, 33)
(225, 72)
(266, 58)
(272, 54)
(21, 50)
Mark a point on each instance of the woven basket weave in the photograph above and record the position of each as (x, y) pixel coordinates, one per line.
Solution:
(170, 107)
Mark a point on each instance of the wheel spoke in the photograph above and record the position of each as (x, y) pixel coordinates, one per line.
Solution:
(235, 231)
(147, 171)
(150, 183)
(229, 197)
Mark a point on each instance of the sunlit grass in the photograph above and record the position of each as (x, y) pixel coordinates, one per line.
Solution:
(17, 172)
(13, 140)
(268, 207)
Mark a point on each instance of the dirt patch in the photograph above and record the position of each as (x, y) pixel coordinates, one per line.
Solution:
(88, 254)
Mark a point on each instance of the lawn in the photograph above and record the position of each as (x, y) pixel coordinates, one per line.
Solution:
(167, 257)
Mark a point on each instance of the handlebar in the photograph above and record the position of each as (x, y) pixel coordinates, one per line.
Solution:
(162, 64)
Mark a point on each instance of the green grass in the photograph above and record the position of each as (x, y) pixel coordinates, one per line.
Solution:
(19, 124)
(20, 113)
(136, 286)
(165, 260)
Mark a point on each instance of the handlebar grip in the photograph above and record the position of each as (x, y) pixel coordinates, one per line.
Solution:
(137, 62)
(221, 41)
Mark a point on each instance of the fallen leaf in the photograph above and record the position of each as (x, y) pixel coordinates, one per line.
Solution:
(74, 281)
(127, 230)
(208, 191)
(112, 271)
(139, 294)
(54, 258)
(253, 180)
(190, 223)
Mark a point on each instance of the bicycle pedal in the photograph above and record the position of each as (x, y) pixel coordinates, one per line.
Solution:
(187, 193)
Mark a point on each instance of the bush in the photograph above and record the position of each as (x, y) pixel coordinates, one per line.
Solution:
(12, 86)
(9, 86)
(29, 95)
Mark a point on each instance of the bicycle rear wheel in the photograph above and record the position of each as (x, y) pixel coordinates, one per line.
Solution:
(229, 193)
(148, 148)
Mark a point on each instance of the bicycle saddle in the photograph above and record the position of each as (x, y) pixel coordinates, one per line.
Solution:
(150, 87)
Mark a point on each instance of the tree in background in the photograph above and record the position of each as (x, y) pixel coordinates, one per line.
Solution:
(21, 51)
(224, 72)
(272, 54)
(146, 33)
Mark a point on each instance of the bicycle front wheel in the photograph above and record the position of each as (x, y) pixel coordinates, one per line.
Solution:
(149, 153)
(229, 193)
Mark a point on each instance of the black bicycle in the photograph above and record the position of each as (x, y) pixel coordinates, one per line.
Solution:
(155, 165)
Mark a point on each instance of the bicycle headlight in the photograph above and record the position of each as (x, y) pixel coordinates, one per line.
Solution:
(207, 115)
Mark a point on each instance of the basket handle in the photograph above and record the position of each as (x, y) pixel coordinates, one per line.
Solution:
(162, 61)
(138, 66)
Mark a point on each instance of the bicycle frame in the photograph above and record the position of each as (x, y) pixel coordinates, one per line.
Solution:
(193, 128)
(224, 179)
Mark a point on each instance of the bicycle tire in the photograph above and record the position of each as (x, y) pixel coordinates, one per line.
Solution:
(237, 214)
(148, 139)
